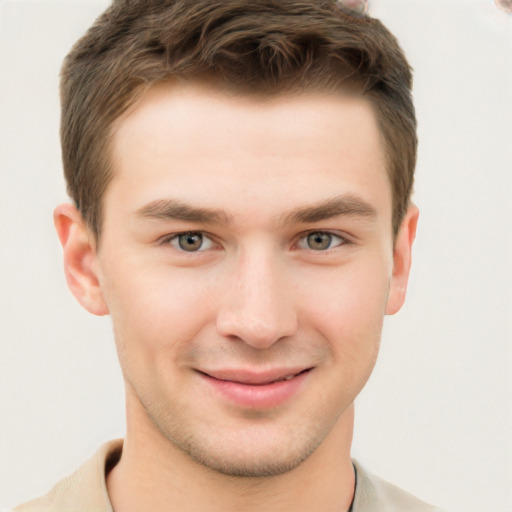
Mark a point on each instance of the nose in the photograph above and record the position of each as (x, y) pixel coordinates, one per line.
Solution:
(257, 307)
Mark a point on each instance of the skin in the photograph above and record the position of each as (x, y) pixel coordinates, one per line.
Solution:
(260, 295)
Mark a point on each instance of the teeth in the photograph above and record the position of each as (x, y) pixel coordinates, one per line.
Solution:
(288, 377)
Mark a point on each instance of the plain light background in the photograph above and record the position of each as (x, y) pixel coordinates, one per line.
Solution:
(436, 416)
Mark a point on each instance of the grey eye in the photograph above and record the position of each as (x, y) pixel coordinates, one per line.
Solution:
(319, 241)
(190, 242)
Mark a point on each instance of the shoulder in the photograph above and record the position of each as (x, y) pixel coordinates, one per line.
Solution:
(374, 494)
(85, 489)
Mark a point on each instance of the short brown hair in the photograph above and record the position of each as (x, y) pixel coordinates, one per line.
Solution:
(256, 46)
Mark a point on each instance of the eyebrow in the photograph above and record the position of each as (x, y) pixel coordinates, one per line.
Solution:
(346, 205)
(172, 209)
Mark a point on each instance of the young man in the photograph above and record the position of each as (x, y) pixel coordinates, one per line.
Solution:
(241, 175)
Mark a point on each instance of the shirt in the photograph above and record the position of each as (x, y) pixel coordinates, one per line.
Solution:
(86, 490)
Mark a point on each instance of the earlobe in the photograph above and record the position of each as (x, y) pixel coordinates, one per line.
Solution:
(402, 261)
(80, 259)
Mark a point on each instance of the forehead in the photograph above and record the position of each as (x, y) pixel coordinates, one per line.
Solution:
(208, 145)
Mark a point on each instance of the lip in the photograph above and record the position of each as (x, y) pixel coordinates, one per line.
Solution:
(256, 389)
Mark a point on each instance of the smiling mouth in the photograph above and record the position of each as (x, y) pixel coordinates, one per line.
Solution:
(255, 380)
(257, 390)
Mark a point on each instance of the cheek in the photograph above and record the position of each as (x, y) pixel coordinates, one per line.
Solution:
(156, 310)
(347, 308)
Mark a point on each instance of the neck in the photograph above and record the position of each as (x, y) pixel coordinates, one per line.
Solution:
(153, 474)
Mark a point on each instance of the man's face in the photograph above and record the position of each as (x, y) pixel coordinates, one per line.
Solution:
(247, 262)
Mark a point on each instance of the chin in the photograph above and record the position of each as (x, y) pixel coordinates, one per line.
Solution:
(254, 454)
(250, 467)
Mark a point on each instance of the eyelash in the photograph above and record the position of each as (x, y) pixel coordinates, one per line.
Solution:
(168, 240)
(302, 241)
(305, 237)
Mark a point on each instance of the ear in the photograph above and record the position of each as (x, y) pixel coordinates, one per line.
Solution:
(402, 261)
(80, 258)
